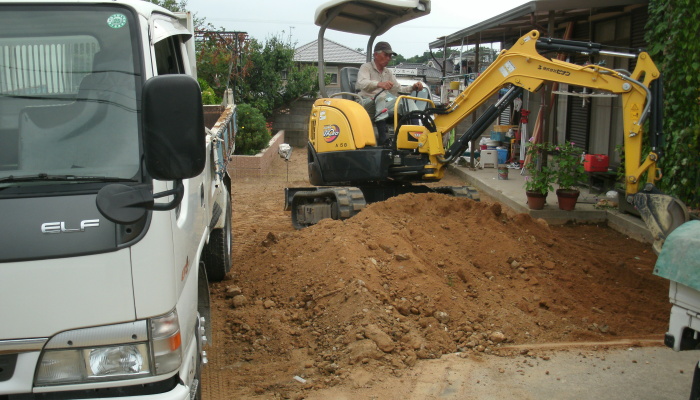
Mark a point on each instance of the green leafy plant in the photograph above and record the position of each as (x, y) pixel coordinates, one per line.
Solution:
(671, 32)
(568, 169)
(208, 95)
(253, 134)
(621, 177)
(541, 177)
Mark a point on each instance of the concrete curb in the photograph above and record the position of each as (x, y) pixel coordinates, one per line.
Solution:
(511, 193)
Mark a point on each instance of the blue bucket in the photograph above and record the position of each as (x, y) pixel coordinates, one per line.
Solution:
(502, 156)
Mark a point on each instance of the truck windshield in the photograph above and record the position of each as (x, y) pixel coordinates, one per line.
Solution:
(69, 98)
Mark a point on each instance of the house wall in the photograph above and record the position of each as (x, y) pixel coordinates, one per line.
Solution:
(604, 131)
(334, 71)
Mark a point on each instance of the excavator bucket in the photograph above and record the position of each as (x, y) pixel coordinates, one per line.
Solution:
(661, 213)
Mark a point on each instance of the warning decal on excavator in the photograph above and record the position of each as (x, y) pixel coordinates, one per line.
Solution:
(330, 133)
(416, 134)
(507, 68)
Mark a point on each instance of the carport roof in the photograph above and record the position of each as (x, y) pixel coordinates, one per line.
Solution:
(534, 15)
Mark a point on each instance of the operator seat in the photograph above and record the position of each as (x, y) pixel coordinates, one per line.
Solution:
(348, 78)
(98, 129)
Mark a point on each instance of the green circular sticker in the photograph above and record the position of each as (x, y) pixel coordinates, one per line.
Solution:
(116, 21)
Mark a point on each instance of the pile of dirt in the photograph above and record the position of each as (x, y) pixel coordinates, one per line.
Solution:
(413, 278)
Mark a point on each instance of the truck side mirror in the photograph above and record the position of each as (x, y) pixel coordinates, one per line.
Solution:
(173, 122)
(174, 148)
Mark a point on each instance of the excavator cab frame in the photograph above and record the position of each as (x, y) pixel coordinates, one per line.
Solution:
(363, 17)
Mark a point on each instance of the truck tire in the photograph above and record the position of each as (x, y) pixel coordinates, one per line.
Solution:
(217, 253)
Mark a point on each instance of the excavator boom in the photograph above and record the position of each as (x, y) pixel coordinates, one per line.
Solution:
(523, 66)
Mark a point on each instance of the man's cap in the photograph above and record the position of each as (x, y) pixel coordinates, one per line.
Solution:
(385, 47)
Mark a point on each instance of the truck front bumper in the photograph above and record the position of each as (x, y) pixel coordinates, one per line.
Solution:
(684, 323)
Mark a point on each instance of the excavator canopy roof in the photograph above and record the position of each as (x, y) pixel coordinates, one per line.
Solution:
(369, 17)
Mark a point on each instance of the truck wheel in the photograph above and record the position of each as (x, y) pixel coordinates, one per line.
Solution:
(217, 253)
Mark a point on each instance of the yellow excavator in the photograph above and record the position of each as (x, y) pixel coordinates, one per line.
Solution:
(349, 169)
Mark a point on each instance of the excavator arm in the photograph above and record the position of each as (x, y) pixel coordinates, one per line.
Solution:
(522, 67)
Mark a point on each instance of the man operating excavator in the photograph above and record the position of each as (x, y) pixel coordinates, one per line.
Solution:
(373, 77)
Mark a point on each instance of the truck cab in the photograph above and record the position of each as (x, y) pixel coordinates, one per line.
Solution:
(113, 196)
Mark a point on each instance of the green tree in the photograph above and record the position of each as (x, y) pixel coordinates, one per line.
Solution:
(672, 32)
(172, 5)
(208, 95)
(263, 75)
(219, 58)
(179, 6)
(396, 60)
(253, 134)
(269, 78)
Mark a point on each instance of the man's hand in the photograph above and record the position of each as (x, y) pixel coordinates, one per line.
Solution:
(417, 86)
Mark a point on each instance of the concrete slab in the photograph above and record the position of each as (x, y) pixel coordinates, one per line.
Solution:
(565, 372)
(589, 373)
(511, 192)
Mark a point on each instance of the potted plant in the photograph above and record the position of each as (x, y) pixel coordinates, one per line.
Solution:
(540, 177)
(568, 171)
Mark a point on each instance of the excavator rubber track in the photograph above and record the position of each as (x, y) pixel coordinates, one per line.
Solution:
(459, 191)
(310, 207)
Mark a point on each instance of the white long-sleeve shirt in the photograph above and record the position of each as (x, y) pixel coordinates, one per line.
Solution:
(369, 76)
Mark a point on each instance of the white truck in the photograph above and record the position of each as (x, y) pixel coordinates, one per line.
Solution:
(679, 262)
(114, 202)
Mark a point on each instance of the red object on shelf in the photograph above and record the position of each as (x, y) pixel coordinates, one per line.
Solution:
(595, 162)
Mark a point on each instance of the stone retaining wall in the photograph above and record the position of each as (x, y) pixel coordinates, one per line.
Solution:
(242, 167)
(294, 121)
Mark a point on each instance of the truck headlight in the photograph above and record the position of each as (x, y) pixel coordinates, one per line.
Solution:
(93, 364)
(114, 352)
(117, 360)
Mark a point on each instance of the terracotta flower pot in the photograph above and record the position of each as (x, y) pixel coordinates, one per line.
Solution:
(535, 200)
(567, 198)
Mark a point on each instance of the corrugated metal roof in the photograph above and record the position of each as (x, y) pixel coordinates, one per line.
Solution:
(534, 15)
(333, 53)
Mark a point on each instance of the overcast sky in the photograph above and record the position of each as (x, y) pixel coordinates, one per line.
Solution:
(294, 21)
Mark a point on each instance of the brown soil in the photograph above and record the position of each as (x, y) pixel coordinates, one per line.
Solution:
(411, 278)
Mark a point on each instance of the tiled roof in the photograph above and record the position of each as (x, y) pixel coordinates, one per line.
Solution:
(332, 53)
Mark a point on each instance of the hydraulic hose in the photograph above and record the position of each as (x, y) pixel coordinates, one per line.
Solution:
(483, 122)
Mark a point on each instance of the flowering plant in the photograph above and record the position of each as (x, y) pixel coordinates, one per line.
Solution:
(540, 177)
(569, 171)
